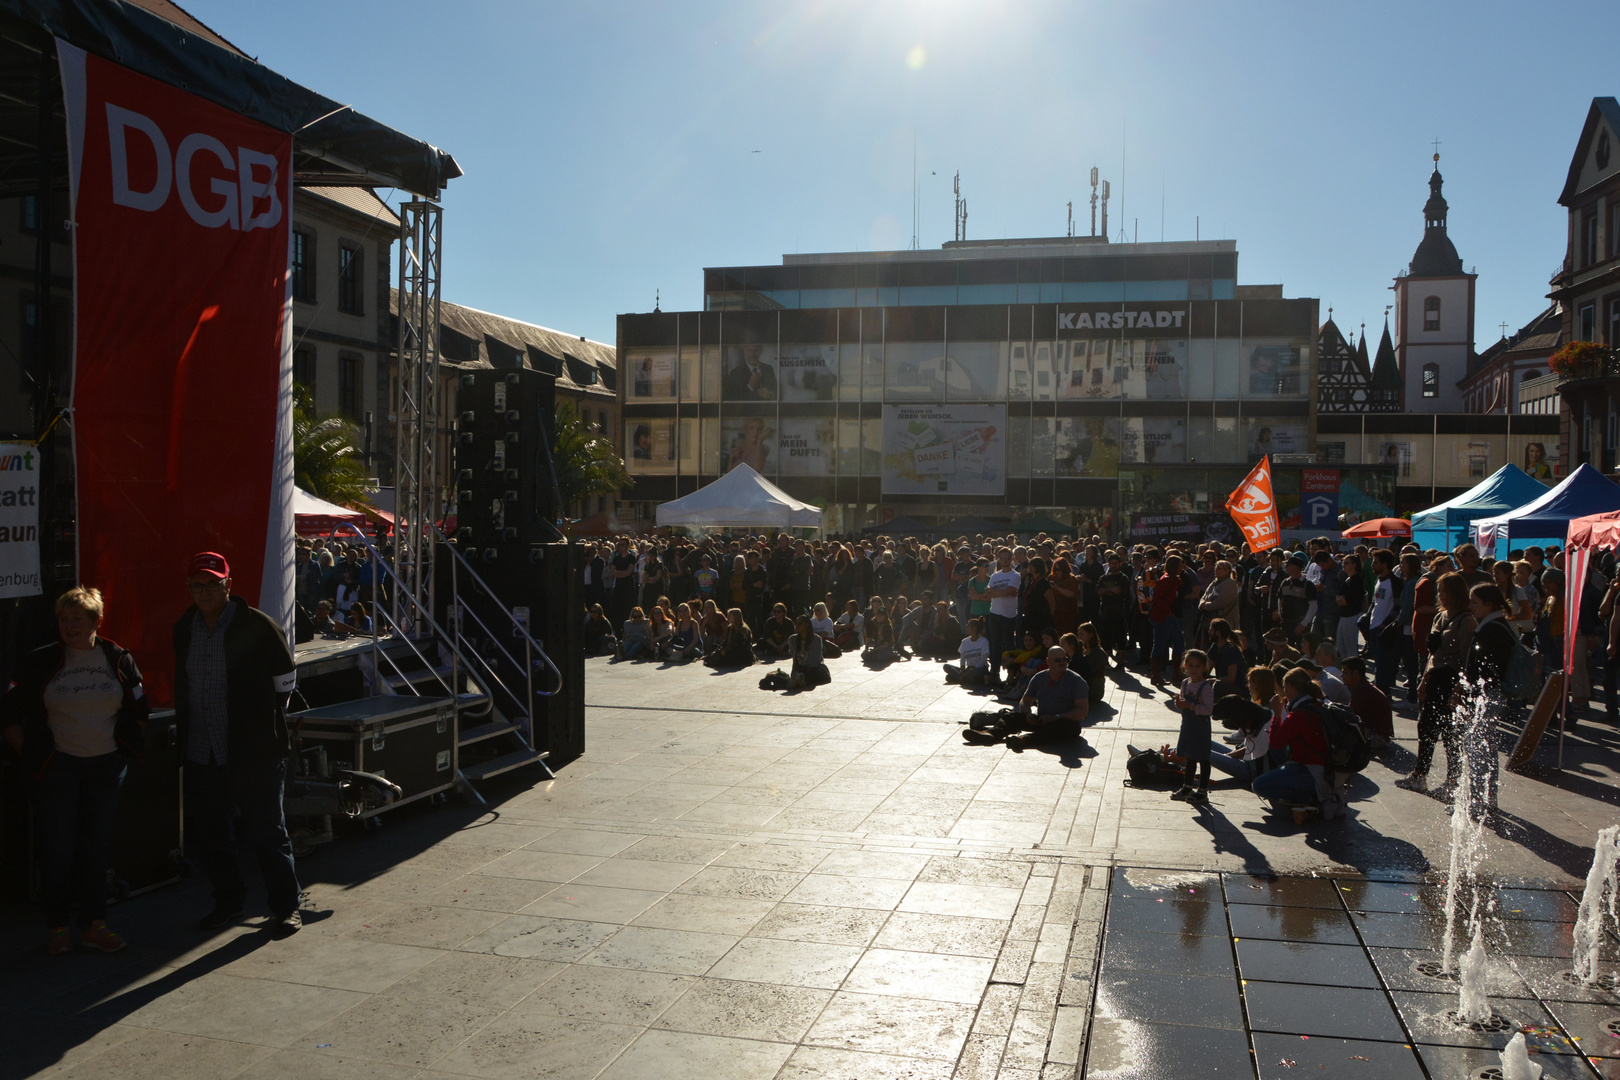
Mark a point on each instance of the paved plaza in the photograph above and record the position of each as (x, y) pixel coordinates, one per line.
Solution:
(832, 884)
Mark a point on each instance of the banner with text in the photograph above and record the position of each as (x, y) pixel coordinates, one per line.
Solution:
(19, 520)
(182, 385)
(938, 449)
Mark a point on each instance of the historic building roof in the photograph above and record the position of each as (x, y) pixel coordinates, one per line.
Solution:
(1435, 256)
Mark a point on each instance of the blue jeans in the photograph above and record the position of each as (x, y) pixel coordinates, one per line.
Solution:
(1003, 632)
(1168, 638)
(213, 794)
(74, 802)
(1291, 782)
(1222, 760)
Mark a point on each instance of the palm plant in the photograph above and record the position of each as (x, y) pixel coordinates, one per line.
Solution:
(585, 460)
(326, 460)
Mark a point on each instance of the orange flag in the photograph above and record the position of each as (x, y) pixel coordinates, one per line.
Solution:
(1254, 508)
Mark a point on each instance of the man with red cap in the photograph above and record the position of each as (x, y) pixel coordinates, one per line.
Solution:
(233, 672)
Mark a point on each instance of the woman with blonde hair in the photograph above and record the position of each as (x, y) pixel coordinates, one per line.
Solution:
(75, 714)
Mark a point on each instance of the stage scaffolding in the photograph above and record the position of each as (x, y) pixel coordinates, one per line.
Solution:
(418, 503)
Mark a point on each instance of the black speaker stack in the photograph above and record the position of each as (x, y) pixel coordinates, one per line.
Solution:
(506, 510)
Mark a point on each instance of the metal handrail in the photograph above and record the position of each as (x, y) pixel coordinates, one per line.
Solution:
(539, 648)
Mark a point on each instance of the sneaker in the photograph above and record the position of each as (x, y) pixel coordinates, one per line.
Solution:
(1233, 739)
(984, 736)
(288, 925)
(1198, 797)
(1415, 782)
(1015, 743)
(58, 941)
(222, 915)
(98, 936)
(1181, 794)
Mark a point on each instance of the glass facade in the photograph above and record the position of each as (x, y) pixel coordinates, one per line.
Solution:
(951, 409)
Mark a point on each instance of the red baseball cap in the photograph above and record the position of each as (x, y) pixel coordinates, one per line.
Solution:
(211, 563)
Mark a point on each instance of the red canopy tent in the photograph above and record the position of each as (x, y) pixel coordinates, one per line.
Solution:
(1594, 532)
(1378, 528)
(317, 517)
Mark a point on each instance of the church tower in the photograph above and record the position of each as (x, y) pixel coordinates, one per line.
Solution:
(1434, 315)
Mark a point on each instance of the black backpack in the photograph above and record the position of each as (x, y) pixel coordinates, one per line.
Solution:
(1349, 747)
(1146, 769)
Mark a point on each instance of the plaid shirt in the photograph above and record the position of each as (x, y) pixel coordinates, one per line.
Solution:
(205, 669)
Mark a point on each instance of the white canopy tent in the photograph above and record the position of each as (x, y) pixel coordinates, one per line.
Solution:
(740, 499)
(316, 517)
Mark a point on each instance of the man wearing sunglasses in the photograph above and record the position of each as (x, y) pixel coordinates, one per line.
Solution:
(233, 673)
(1053, 706)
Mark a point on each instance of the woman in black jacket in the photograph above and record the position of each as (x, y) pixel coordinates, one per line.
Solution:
(75, 714)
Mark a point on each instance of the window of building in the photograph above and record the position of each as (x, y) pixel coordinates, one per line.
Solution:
(349, 385)
(1533, 373)
(304, 369)
(350, 293)
(1589, 243)
(1431, 380)
(1586, 322)
(1614, 321)
(30, 213)
(303, 265)
(1431, 313)
(1614, 231)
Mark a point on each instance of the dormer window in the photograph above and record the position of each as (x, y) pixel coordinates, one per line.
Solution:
(1431, 313)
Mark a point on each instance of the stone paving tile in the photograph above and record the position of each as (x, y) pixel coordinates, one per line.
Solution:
(678, 1055)
(791, 963)
(748, 1010)
(608, 995)
(531, 1043)
(679, 952)
(823, 924)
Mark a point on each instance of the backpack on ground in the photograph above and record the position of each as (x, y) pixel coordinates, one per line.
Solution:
(1149, 769)
(776, 680)
(1349, 746)
(991, 719)
(1521, 682)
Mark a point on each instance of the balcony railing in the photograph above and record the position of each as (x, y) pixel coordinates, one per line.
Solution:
(1603, 366)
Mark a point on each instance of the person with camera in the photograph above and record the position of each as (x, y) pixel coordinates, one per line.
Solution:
(1300, 735)
(233, 673)
(76, 714)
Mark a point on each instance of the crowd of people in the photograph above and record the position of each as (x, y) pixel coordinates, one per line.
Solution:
(1267, 643)
(335, 588)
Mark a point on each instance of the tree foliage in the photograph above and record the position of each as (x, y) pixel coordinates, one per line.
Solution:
(585, 460)
(327, 462)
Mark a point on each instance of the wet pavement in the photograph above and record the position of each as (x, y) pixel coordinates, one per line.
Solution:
(1238, 975)
(732, 883)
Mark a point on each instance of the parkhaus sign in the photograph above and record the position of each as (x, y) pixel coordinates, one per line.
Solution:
(1138, 317)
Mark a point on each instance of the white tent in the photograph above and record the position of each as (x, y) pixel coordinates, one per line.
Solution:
(317, 517)
(740, 499)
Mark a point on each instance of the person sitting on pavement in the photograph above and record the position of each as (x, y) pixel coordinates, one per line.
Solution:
(713, 622)
(1300, 781)
(776, 636)
(914, 623)
(1016, 659)
(878, 636)
(1333, 688)
(686, 638)
(1252, 722)
(943, 635)
(808, 669)
(1091, 662)
(974, 651)
(1369, 703)
(736, 647)
(661, 631)
(1226, 660)
(822, 624)
(1279, 650)
(849, 632)
(599, 636)
(1055, 703)
(637, 635)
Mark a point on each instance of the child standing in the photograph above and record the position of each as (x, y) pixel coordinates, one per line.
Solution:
(1196, 701)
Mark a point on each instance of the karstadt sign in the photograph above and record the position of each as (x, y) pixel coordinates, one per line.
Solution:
(1128, 316)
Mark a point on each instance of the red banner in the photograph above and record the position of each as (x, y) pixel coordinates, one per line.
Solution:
(1254, 507)
(182, 371)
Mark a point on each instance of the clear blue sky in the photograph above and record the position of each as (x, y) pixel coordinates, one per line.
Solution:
(608, 147)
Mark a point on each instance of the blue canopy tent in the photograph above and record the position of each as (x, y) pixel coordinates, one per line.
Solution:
(1445, 526)
(1546, 520)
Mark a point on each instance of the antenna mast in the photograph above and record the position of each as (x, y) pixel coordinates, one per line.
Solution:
(1094, 202)
(1107, 189)
(961, 207)
(1071, 218)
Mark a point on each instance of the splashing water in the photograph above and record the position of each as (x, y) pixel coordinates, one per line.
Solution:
(1472, 1003)
(1516, 1063)
(1601, 879)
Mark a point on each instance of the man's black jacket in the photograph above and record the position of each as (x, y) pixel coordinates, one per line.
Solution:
(259, 674)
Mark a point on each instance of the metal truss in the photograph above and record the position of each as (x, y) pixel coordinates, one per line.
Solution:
(418, 501)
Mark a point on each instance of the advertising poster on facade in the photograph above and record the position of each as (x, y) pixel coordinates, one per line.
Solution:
(652, 447)
(652, 375)
(808, 372)
(1269, 436)
(19, 520)
(956, 449)
(1541, 461)
(750, 373)
(1273, 370)
(1398, 455)
(808, 446)
(750, 442)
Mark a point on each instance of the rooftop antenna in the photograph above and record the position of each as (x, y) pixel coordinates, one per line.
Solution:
(1122, 184)
(1094, 202)
(1071, 217)
(656, 301)
(1107, 189)
(915, 223)
(1161, 208)
(1136, 229)
(961, 207)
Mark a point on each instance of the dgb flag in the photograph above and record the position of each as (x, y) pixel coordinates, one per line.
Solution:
(1254, 507)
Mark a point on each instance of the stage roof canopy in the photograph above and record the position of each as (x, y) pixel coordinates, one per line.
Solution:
(334, 144)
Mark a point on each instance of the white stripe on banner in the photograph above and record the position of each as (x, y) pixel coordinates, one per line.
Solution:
(1575, 559)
